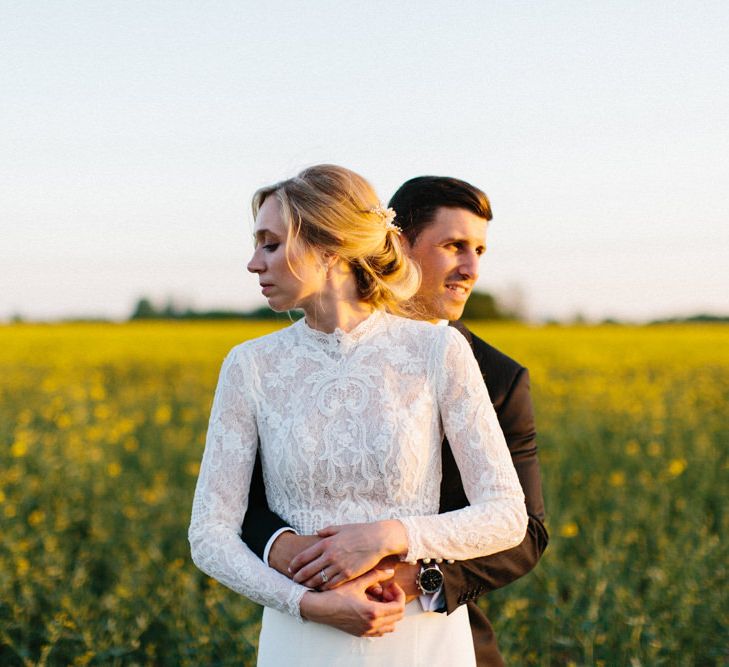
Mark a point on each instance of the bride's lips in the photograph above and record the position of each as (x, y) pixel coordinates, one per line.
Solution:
(266, 287)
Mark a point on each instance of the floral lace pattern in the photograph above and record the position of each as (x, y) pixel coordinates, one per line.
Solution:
(350, 428)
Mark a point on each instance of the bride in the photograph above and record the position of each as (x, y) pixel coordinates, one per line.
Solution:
(349, 407)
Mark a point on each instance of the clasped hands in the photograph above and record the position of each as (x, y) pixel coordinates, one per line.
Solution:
(364, 587)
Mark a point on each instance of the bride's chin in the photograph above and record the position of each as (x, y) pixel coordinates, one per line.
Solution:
(280, 307)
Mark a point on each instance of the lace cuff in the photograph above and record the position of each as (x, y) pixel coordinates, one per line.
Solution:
(470, 532)
(293, 603)
(414, 541)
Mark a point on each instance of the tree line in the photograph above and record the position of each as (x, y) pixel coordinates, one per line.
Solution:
(480, 306)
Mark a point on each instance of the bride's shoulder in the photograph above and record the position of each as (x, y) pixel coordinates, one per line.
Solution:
(419, 330)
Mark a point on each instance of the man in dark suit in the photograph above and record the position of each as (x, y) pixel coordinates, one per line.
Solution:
(443, 222)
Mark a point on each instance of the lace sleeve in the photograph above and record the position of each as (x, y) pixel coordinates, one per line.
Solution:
(221, 497)
(496, 518)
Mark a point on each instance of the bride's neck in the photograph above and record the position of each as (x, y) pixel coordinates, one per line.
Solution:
(341, 315)
(339, 305)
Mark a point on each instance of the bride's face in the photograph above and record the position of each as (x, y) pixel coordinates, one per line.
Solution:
(289, 278)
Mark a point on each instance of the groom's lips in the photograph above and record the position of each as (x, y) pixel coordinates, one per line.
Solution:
(459, 289)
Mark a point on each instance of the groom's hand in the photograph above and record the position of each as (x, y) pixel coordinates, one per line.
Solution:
(405, 575)
(354, 609)
(286, 547)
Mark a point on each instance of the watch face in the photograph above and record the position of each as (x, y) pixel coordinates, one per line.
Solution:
(431, 580)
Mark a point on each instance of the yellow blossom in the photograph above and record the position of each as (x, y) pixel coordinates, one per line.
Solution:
(19, 449)
(654, 448)
(22, 566)
(617, 478)
(64, 420)
(569, 529)
(676, 467)
(162, 415)
(131, 444)
(97, 392)
(36, 517)
(130, 511)
(102, 412)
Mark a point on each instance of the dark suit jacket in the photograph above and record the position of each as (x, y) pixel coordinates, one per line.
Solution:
(465, 581)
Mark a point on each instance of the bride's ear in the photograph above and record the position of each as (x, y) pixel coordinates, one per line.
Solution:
(329, 259)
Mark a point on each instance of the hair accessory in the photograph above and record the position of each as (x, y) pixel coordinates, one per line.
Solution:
(387, 215)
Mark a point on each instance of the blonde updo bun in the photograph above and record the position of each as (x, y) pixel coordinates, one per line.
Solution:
(338, 212)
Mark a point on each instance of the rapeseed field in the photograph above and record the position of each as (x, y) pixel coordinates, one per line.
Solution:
(102, 428)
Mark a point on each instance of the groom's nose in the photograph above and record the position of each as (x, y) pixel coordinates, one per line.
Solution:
(468, 266)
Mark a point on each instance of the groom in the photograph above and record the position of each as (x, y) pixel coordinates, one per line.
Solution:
(443, 222)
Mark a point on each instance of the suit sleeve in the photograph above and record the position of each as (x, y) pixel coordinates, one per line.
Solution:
(468, 580)
(260, 523)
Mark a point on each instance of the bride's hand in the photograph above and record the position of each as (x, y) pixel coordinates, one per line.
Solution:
(352, 608)
(346, 552)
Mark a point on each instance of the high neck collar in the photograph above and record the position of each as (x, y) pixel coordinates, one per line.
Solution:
(338, 335)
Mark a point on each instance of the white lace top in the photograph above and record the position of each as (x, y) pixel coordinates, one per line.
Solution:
(350, 428)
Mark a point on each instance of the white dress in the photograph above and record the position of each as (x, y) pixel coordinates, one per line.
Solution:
(350, 428)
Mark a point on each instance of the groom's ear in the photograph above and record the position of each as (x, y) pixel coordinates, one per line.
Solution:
(405, 243)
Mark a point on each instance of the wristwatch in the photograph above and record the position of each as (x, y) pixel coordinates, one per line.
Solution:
(429, 579)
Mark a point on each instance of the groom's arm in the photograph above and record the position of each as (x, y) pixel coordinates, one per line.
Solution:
(468, 580)
(260, 523)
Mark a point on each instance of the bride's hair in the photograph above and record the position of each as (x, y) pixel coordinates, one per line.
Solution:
(337, 211)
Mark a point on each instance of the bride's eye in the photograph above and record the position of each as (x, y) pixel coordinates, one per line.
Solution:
(270, 247)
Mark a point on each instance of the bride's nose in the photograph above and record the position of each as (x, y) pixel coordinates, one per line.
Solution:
(256, 263)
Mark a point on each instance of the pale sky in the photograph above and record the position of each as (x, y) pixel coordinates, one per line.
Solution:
(133, 135)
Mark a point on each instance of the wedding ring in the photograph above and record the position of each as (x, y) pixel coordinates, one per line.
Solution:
(324, 577)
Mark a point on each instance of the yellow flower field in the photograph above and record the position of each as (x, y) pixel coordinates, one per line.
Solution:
(103, 426)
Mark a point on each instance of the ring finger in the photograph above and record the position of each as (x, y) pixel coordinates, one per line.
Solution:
(311, 574)
(321, 580)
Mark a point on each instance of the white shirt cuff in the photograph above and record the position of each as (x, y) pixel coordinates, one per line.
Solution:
(272, 539)
(433, 602)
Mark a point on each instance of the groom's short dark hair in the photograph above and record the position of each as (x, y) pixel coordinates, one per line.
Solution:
(417, 200)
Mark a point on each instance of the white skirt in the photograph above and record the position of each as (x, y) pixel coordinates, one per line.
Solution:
(420, 638)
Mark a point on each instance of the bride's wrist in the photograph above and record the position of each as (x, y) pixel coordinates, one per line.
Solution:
(309, 605)
(395, 542)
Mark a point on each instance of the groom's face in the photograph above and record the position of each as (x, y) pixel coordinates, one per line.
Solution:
(449, 251)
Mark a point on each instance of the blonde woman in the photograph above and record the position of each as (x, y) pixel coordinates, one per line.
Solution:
(349, 407)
